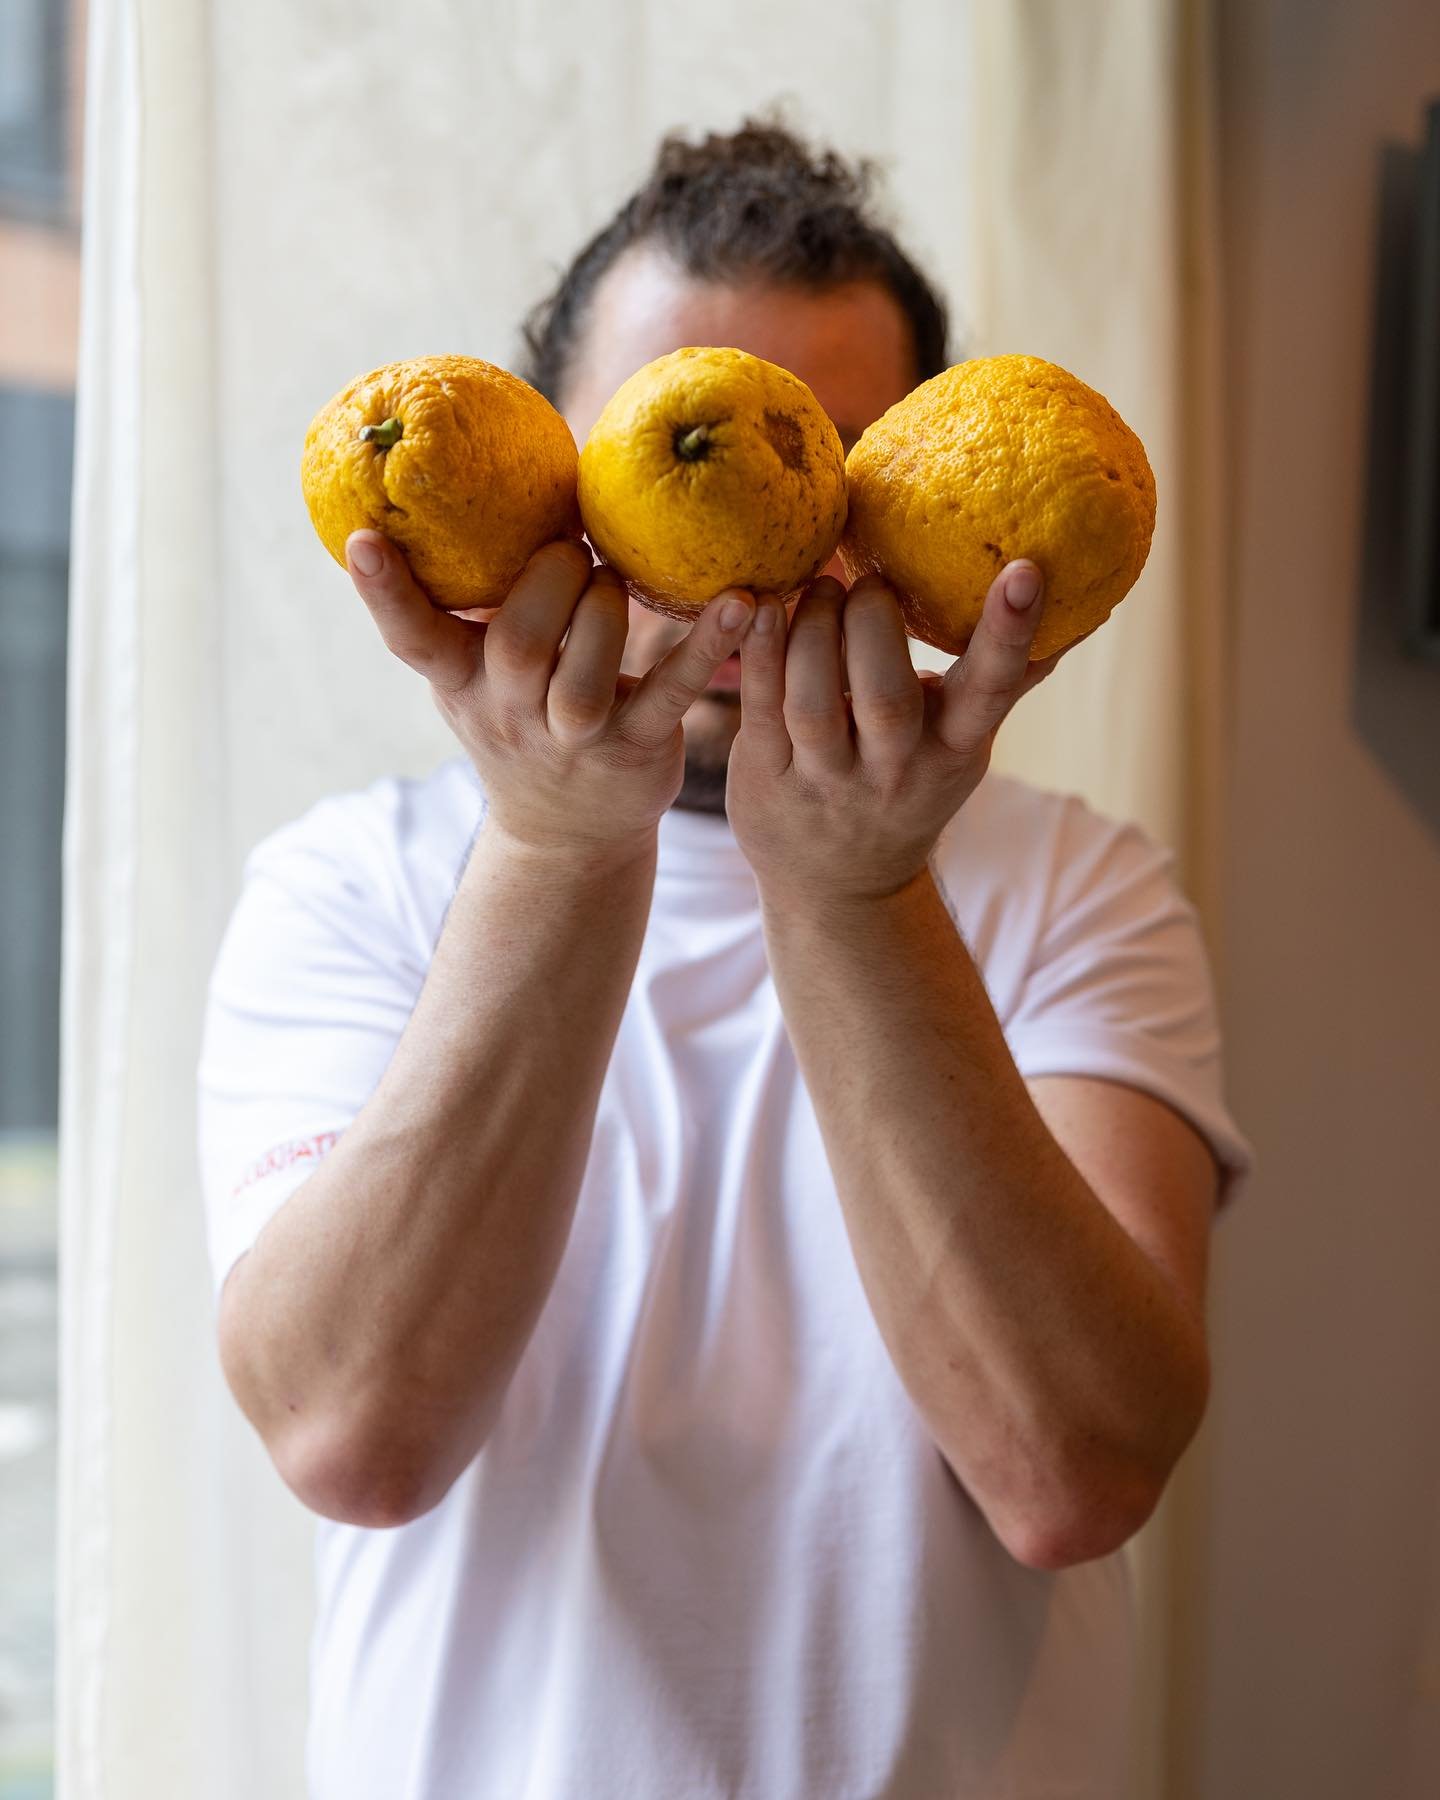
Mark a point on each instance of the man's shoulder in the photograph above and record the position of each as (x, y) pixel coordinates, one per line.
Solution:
(1020, 861)
(395, 834)
(1009, 823)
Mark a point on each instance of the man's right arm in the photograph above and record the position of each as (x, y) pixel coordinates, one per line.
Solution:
(370, 1333)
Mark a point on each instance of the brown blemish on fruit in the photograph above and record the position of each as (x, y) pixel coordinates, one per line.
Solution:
(787, 440)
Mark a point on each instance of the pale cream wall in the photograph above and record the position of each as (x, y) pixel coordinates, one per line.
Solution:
(1319, 1583)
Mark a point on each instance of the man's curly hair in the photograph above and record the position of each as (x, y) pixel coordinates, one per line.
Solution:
(756, 203)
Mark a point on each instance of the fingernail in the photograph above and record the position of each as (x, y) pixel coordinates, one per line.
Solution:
(765, 620)
(1022, 587)
(366, 557)
(733, 613)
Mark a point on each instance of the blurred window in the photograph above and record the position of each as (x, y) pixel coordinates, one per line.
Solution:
(40, 46)
(33, 177)
(34, 571)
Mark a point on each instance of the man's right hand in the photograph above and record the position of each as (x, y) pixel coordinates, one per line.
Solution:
(571, 753)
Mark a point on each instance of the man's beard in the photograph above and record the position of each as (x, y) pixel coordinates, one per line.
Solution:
(703, 788)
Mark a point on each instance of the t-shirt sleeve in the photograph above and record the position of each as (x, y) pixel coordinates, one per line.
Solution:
(1119, 985)
(312, 987)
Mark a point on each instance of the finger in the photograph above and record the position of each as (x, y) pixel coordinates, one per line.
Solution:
(582, 689)
(762, 688)
(662, 697)
(982, 686)
(816, 717)
(885, 692)
(523, 639)
(423, 635)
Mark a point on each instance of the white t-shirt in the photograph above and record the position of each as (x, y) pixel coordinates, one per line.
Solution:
(709, 1551)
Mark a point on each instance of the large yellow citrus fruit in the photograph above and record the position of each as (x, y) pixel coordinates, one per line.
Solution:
(1000, 457)
(711, 468)
(462, 464)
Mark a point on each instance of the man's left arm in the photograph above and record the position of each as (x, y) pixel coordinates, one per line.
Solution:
(1035, 1258)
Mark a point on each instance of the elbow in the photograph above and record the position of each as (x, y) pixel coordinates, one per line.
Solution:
(352, 1471)
(1100, 1508)
(1082, 1532)
(352, 1485)
(331, 1472)
(374, 1476)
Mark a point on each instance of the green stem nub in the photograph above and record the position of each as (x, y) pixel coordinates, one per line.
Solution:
(385, 434)
(693, 445)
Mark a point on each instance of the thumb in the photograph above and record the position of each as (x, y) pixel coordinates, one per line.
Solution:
(421, 634)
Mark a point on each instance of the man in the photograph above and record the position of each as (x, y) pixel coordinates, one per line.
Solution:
(735, 1177)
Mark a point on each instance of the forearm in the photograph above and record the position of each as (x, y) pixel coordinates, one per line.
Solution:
(1052, 1361)
(384, 1307)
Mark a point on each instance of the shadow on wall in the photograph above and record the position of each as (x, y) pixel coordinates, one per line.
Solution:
(1395, 696)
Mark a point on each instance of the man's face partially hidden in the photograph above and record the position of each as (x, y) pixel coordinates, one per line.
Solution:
(851, 345)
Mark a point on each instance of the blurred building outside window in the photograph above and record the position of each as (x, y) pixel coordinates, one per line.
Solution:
(41, 69)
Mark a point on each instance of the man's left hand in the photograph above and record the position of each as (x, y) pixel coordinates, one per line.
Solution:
(849, 762)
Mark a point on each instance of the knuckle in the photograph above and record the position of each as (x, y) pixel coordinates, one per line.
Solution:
(995, 688)
(1016, 644)
(578, 714)
(625, 745)
(514, 642)
(892, 708)
(415, 651)
(618, 754)
(990, 679)
(812, 721)
(602, 600)
(506, 720)
(986, 712)
(766, 710)
(674, 692)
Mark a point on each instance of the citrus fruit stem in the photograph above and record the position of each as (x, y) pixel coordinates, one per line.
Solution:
(693, 445)
(387, 432)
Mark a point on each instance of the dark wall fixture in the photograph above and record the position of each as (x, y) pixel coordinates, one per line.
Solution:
(1396, 691)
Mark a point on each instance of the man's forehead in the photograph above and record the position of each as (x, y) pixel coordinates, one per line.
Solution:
(850, 343)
